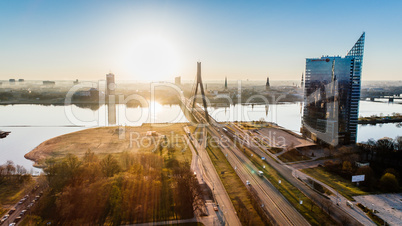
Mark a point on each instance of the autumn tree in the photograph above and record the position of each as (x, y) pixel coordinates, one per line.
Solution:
(388, 183)
(109, 166)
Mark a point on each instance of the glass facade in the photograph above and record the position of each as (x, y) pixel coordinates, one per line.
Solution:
(332, 93)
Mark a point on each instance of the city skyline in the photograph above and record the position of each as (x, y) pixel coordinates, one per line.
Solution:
(150, 41)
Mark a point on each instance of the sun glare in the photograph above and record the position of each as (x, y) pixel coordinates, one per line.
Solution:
(155, 107)
(154, 59)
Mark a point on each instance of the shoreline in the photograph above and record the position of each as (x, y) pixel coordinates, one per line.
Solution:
(104, 140)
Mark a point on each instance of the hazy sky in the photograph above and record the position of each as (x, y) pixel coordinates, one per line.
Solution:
(162, 39)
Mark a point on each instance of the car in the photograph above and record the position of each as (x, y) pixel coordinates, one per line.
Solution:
(37, 197)
(29, 206)
(12, 224)
(216, 208)
(11, 211)
(23, 212)
(20, 202)
(17, 219)
(4, 218)
(248, 182)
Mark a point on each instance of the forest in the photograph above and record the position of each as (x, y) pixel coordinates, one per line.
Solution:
(118, 189)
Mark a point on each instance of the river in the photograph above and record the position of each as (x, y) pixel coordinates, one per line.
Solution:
(30, 125)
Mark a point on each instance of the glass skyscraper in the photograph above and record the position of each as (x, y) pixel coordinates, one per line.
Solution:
(331, 96)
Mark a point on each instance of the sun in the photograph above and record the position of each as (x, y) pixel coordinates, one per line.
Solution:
(154, 59)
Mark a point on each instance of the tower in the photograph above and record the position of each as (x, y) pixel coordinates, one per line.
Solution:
(267, 85)
(226, 83)
(110, 86)
(177, 80)
(332, 93)
(199, 82)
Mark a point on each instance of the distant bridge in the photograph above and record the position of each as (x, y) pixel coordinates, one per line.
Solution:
(390, 98)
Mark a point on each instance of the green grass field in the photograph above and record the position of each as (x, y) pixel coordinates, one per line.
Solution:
(343, 186)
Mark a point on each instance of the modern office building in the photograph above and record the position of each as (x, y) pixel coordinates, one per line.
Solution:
(331, 97)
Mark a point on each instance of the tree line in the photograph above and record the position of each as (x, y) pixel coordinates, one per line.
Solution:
(384, 158)
(11, 173)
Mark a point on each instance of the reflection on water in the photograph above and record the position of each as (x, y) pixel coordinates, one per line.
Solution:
(42, 122)
(111, 114)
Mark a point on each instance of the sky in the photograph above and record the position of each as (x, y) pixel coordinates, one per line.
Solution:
(158, 40)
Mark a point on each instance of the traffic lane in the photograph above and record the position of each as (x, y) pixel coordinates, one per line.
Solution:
(278, 204)
(284, 208)
(20, 207)
(286, 172)
(219, 190)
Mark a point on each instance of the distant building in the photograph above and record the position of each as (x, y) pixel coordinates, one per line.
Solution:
(177, 80)
(302, 81)
(21, 80)
(92, 93)
(110, 85)
(75, 82)
(11, 80)
(226, 83)
(49, 82)
(332, 93)
(267, 85)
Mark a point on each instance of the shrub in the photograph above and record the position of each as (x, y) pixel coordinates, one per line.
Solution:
(388, 183)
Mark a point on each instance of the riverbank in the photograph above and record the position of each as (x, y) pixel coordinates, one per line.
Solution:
(397, 117)
(108, 140)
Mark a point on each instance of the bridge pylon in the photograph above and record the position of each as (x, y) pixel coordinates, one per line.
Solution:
(199, 82)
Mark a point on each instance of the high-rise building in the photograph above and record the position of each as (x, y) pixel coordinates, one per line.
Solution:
(332, 93)
(267, 85)
(110, 85)
(226, 83)
(177, 80)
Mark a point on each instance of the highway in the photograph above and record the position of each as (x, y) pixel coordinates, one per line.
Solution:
(211, 177)
(337, 213)
(23, 206)
(280, 210)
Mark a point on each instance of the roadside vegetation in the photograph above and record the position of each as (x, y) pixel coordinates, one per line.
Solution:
(345, 187)
(123, 188)
(379, 161)
(15, 181)
(237, 191)
(373, 216)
